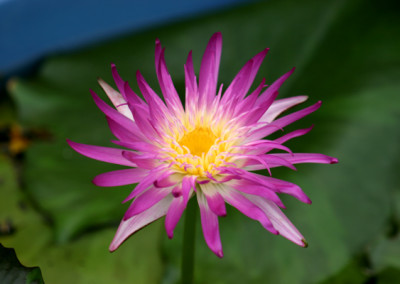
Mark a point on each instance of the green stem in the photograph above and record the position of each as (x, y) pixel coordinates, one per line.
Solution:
(188, 248)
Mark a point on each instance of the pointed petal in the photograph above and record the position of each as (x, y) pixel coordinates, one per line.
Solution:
(143, 122)
(133, 98)
(118, 80)
(191, 86)
(280, 106)
(269, 95)
(105, 154)
(120, 132)
(167, 86)
(209, 70)
(116, 98)
(297, 158)
(215, 201)
(243, 80)
(241, 203)
(276, 185)
(146, 161)
(279, 220)
(209, 223)
(174, 214)
(293, 134)
(120, 177)
(251, 188)
(138, 146)
(114, 114)
(146, 200)
(188, 183)
(248, 102)
(132, 225)
(281, 122)
(146, 182)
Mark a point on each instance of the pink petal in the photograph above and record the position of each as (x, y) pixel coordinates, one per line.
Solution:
(133, 98)
(146, 200)
(293, 134)
(215, 201)
(267, 161)
(209, 70)
(160, 115)
(262, 146)
(243, 80)
(248, 102)
(191, 86)
(209, 223)
(298, 158)
(105, 154)
(169, 178)
(279, 220)
(280, 106)
(143, 122)
(117, 79)
(146, 161)
(132, 225)
(182, 195)
(269, 95)
(116, 98)
(281, 186)
(248, 208)
(138, 146)
(120, 132)
(174, 214)
(282, 122)
(149, 94)
(276, 185)
(188, 183)
(248, 187)
(146, 182)
(164, 78)
(120, 177)
(113, 114)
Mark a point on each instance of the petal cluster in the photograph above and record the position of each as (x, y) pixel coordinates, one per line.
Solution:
(205, 149)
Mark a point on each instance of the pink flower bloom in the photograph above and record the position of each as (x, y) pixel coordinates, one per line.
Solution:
(206, 148)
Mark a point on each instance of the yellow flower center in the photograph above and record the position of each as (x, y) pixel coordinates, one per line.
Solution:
(198, 141)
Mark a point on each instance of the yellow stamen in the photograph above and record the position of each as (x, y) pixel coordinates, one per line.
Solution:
(198, 141)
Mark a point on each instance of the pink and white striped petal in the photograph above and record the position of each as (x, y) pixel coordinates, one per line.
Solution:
(279, 106)
(241, 203)
(261, 132)
(146, 200)
(134, 224)
(279, 220)
(116, 98)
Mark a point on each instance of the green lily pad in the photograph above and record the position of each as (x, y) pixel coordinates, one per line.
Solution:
(81, 260)
(11, 270)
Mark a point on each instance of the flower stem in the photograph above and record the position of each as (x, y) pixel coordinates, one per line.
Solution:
(189, 237)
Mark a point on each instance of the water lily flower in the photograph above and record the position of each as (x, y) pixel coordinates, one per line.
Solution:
(206, 149)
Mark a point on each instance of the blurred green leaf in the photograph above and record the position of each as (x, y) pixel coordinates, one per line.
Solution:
(342, 56)
(83, 260)
(12, 271)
